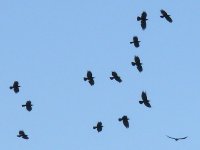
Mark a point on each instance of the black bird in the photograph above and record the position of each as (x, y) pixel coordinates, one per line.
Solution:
(135, 42)
(145, 100)
(166, 16)
(99, 126)
(116, 77)
(89, 77)
(143, 19)
(125, 121)
(176, 139)
(28, 105)
(137, 63)
(23, 135)
(15, 86)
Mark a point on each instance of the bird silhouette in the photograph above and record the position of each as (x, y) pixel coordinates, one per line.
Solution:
(176, 139)
(166, 16)
(23, 135)
(143, 19)
(90, 78)
(116, 77)
(125, 121)
(28, 105)
(137, 63)
(145, 100)
(99, 126)
(15, 86)
(135, 41)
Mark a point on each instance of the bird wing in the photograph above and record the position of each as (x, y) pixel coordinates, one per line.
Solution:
(137, 60)
(16, 89)
(139, 67)
(164, 13)
(135, 39)
(15, 83)
(21, 132)
(114, 74)
(89, 74)
(183, 137)
(146, 103)
(91, 82)
(143, 24)
(144, 96)
(170, 137)
(168, 18)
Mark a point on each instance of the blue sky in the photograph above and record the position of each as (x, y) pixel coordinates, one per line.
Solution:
(48, 46)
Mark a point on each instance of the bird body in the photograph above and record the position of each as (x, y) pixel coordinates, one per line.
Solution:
(166, 16)
(90, 78)
(99, 126)
(137, 63)
(125, 121)
(135, 41)
(15, 86)
(144, 100)
(22, 134)
(28, 105)
(143, 19)
(116, 77)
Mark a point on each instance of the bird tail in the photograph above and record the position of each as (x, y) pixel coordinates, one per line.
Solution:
(94, 127)
(85, 78)
(161, 16)
(23, 105)
(141, 102)
(11, 87)
(133, 64)
(111, 78)
(120, 119)
(138, 18)
(131, 42)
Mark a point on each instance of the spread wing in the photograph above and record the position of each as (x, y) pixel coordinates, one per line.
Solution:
(183, 138)
(144, 96)
(143, 24)
(168, 18)
(164, 13)
(114, 74)
(140, 69)
(16, 89)
(15, 84)
(137, 60)
(89, 74)
(135, 39)
(144, 15)
(146, 103)
(170, 137)
(91, 82)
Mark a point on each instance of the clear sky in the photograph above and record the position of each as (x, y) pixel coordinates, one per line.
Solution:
(48, 46)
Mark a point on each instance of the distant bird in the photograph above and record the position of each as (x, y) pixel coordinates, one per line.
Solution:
(166, 16)
(135, 41)
(116, 77)
(23, 135)
(89, 77)
(137, 63)
(125, 121)
(28, 105)
(99, 126)
(15, 86)
(145, 100)
(176, 139)
(143, 19)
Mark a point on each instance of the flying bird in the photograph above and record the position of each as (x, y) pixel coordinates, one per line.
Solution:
(28, 105)
(166, 16)
(135, 41)
(145, 100)
(90, 78)
(143, 19)
(176, 139)
(137, 63)
(15, 86)
(116, 77)
(125, 121)
(99, 126)
(23, 135)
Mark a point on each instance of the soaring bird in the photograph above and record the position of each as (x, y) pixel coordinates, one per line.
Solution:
(116, 77)
(135, 42)
(176, 139)
(137, 63)
(125, 121)
(143, 19)
(99, 126)
(89, 77)
(145, 100)
(15, 86)
(28, 105)
(166, 16)
(23, 135)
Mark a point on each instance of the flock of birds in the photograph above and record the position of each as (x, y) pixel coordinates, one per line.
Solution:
(143, 21)
(115, 76)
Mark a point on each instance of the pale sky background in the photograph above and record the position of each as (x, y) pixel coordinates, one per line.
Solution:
(48, 46)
